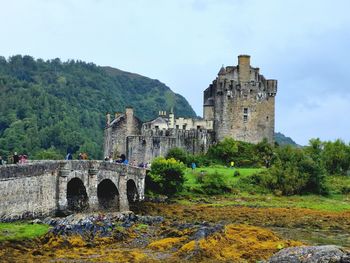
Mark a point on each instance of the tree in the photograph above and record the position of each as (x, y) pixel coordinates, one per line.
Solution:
(167, 175)
(294, 172)
(178, 154)
(265, 152)
(336, 157)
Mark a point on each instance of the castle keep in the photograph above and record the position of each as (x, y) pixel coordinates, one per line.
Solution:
(239, 103)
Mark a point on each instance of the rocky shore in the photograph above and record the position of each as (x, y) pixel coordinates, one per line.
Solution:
(178, 237)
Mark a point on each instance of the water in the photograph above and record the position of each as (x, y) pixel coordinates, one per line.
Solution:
(315, 237)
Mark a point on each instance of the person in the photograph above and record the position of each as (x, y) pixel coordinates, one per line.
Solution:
(80, 156)
(232, 164)
(122, 158)
(126, 162)
(15, 158)
(193, 165)
(84, 156)
(21, 159)
(69, 156)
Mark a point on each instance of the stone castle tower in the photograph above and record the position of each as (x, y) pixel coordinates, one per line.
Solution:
(241, 103)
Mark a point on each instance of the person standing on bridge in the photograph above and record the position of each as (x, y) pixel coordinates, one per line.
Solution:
(69, 156)
(15, 158)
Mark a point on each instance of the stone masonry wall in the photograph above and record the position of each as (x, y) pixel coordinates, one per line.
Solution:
(28, 190)
(40, 188)
(144, 148)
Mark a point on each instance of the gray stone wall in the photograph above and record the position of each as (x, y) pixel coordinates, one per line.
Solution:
(117, 131)
(28, 190)
(40, 189)
(144, 148)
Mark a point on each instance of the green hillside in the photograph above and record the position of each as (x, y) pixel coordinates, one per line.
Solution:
(281, 139)
(49, 107)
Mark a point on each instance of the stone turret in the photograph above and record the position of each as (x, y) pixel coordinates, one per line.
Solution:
(244, 68)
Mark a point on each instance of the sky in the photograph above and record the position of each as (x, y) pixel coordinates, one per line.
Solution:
(183, 43)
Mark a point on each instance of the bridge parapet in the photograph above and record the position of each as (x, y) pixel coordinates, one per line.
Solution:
(29, 169)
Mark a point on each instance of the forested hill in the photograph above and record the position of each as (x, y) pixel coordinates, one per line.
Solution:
(49, 107)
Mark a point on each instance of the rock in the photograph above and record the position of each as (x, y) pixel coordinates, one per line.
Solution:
(206, 230)
(311, 254)
(36, 221)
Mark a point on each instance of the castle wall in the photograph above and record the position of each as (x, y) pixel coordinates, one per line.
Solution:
(146, 147)
(116, 132)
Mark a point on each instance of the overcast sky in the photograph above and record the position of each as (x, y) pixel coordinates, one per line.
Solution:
(183, 43)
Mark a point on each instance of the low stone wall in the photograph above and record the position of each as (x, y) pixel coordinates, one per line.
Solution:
(28, 191)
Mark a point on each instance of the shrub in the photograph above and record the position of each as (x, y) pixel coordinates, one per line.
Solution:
(294, 172)
(178, 154)
(236, 173)
(166, 176)
(214, 183)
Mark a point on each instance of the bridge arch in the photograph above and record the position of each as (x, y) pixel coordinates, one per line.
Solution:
(77, 198)
(132, 193)
(108, 195)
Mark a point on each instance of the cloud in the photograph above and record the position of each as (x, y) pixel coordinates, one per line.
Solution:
(183, 43)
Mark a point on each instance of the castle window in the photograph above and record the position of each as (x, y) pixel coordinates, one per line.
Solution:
(156, 127)
(177, 127)
(245, 114)
(184, 127)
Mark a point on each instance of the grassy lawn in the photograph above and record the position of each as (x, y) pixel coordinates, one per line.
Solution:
(336, 201)
(19, 231)
(191, 175)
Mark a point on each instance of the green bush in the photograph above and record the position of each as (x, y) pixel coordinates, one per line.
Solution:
(244, 154)
(294, 172)
(166, 176)
(236, 173)
(214, 183)
(178, 154)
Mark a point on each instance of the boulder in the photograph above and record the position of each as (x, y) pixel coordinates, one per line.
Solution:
(311, 254)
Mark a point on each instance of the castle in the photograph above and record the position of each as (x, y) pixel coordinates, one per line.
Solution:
(239, 103)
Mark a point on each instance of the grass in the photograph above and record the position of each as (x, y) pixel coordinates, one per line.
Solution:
(191, 175)
(335, 201)
(20, 231)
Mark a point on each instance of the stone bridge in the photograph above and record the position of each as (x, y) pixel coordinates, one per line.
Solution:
(45, 188)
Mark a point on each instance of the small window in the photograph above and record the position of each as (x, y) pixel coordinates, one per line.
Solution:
(267, 118)
(184, 127)
(198, 127)
(245, 110)
(157, 127)
(177, 127)
(245, 118)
